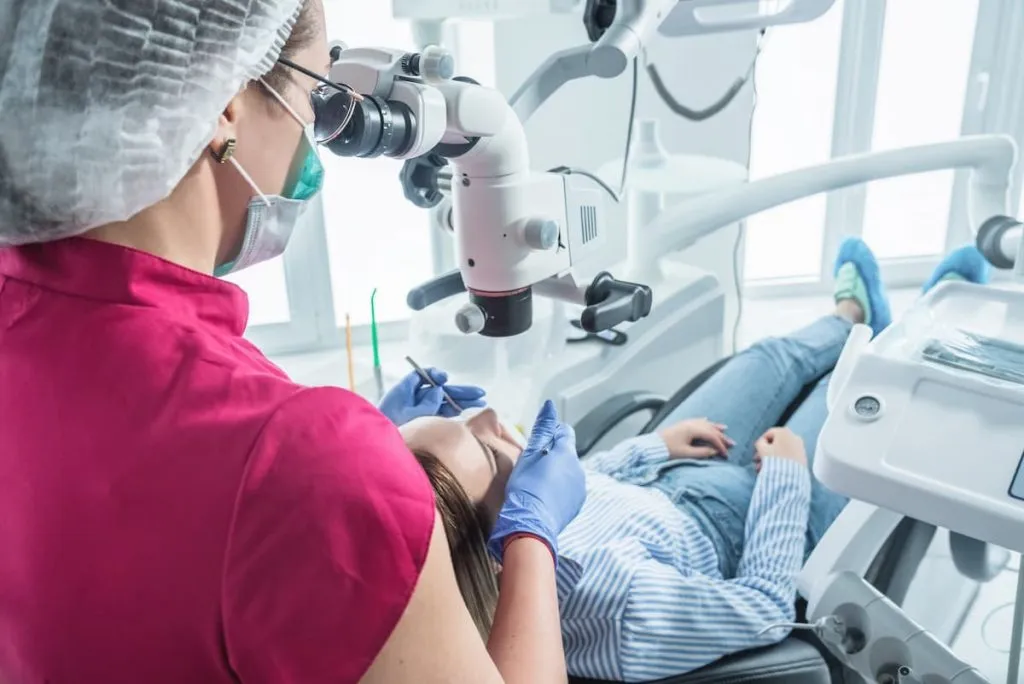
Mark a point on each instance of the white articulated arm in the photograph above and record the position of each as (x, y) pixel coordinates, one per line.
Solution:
(990, 157)
(636, 23)
(557, 70)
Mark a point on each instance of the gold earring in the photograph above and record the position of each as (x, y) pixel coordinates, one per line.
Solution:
(226, 152)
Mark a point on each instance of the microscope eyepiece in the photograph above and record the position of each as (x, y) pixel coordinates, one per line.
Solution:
(371, 127)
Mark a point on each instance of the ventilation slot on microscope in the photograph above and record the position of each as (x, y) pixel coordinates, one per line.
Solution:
(588, 223)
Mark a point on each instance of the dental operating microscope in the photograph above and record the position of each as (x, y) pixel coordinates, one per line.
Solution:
(518, 232)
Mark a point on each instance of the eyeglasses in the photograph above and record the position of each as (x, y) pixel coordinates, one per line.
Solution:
(333, 104)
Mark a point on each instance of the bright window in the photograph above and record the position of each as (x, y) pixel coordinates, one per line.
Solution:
(796, 88)
(268, 292)
(474, 51)
(926, 58)
(375, 238)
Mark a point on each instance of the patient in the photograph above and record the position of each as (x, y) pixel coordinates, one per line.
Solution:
(690, 539)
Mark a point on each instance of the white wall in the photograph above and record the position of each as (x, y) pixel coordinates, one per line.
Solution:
(584, 124)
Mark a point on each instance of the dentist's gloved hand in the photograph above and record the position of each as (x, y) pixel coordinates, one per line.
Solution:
(546, 489)
(413, 398)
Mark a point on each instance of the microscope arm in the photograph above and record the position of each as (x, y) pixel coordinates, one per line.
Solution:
(991, 158)
(557, 70)
(635, 23)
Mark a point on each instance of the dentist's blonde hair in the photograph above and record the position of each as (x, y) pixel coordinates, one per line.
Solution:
(467, 527)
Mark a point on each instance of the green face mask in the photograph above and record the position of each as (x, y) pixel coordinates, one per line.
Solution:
(310, 179)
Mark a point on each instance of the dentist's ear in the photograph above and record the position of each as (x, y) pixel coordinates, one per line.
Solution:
(485, 418)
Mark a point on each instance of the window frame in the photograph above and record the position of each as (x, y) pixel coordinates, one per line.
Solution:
(860, 61)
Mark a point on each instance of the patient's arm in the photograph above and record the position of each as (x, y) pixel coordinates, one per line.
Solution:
(776, 531)
(629, 454)
(675, 622)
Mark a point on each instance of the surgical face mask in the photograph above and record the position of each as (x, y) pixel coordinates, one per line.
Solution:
(271, 219)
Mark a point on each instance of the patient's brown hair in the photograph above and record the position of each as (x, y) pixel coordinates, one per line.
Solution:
(467, 527)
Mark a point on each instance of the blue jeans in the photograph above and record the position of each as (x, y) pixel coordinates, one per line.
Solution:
(749, 395)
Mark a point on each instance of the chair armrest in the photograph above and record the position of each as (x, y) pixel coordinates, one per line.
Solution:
(606, 415)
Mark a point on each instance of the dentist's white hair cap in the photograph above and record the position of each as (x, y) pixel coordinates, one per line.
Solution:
(106, 104)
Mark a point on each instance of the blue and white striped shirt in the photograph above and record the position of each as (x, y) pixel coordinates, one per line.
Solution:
(640, 591)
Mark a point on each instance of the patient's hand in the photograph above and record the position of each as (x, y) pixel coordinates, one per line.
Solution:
(696, 438)
(779, 443)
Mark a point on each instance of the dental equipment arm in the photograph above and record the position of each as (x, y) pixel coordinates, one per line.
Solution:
(621, 30)
(615, 44)
(990, 157)
(516, 231)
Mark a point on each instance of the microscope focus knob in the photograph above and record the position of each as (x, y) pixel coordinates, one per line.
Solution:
(469, 319)
(433, 64)
(540, 234)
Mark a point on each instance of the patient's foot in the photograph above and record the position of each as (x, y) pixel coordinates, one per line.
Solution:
(965, 263)
(859, 294)
(850, 309)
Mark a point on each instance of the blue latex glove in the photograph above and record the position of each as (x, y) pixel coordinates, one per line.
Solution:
(413, 397)
(546, 488)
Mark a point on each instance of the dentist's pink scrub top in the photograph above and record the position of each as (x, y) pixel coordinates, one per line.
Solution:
(173, 509)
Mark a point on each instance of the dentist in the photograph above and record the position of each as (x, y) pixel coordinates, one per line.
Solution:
(172, 507)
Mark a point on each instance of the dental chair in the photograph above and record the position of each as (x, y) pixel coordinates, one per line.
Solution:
(800, 658)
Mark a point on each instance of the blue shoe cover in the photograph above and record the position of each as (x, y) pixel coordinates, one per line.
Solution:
(855, 251)
(965, 263)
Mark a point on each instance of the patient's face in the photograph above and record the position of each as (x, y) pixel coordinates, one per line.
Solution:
(476, 448)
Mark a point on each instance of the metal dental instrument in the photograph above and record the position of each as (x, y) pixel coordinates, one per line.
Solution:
(430, 381)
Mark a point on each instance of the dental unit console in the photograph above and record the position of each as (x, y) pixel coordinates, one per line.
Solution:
(517, 231)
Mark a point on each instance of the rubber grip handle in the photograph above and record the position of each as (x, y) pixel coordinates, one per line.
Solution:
(419, 180)
(611, 302)
(433, 291)
(990, 237)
